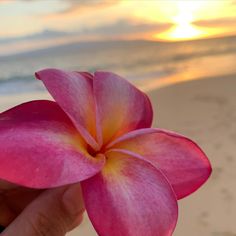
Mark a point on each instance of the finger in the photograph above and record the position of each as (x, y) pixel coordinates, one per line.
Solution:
(5, 185)
(77, 222)
(1, 228)
(17, 199)
(13, 201)
(53, 213)
(6, 214)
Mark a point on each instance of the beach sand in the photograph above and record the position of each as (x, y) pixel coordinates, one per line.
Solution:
(205, 111)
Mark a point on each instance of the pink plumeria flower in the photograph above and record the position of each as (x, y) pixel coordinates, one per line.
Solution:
(98, 133)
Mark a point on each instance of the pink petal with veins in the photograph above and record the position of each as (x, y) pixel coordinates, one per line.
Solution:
(73, 91)
(120, 106)
(181, 160)
(130, 197)
(41, 148)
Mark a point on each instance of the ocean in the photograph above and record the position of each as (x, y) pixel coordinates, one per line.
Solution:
(147, 64)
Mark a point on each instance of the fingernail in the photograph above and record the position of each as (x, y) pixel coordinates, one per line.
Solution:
(73, 200)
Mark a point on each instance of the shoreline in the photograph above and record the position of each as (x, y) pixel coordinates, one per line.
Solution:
(13, 99)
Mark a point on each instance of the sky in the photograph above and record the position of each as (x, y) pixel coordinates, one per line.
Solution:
(32, 24)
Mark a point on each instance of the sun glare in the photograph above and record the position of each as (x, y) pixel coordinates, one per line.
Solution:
(183, 28)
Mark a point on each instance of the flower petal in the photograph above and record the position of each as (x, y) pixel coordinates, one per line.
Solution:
(180, 159)
(40, 147)
(73, 91)
(120, 106)
(130, 197)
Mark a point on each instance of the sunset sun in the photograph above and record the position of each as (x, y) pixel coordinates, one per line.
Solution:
(183, 27)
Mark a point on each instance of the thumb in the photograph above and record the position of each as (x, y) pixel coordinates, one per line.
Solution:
(53, 213)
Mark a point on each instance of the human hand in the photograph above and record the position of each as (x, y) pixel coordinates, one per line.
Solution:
(28, 212)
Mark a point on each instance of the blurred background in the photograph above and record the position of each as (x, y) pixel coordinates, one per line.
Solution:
(155, 44)
(152, 43)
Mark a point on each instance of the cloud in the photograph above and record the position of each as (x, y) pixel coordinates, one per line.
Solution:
(119, 30)
(124, 27)
(43, 35)
(85, 5)
(78, 14)
(4, 1)
(221, 22)
(70, 6)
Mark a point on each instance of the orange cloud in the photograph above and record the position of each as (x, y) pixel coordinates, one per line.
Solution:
(75, 7)
(225, 22)
(125, 28)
